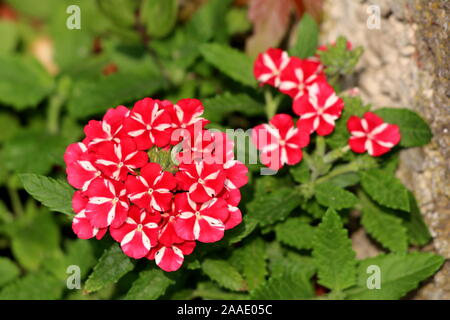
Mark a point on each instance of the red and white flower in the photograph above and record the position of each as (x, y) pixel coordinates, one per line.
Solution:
(319, 109)
(170, 258)
(108, 203)
(116, 160)
(372, 134)
(138, 234)
(186, 118)
(202, 222)
(269, 65)
(280, 142)
(202, 181)
(149, 124)
(109, 129)
(80, 223)
(152, 189)
(236, 174)
(298, 76)
(80, 170)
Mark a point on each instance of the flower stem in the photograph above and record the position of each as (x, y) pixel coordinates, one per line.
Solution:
(272, 103)
(351, 167)
(55, 104)
(334, 155)
(15, 199)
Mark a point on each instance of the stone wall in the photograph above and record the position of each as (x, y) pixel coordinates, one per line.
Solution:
(406, 64)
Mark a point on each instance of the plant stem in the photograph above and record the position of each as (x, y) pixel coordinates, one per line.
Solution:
(351, 167)
(15, 199)
(55, 104)
(320, 146)
(334, 155)
(272, 104)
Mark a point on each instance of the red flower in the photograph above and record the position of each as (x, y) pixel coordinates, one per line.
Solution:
(203, 181)
(236, 174)
(149, 124)
(320, 109)
(280, 142)
(116, 160)
(152, 188)
(202, 222)
(186, 115)
(80, 223)
(269, 65)
(138, 234)
(298, 76)
(108, 203)
(170, 258)
(80, 170)
(109, 129)
(372, 134)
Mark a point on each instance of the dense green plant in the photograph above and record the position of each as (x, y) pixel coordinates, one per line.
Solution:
(295, 233)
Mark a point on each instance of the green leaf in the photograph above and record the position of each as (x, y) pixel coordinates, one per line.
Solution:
(345, 180)
(34, 238)
(217, 108)
(385, 189)
(8, 271)
(10, 126)
(112, 266)
(237, 21)
(24, 82)
(333, 254)
(418, 232)
(224, 274)
(33, 151)
(400, 273)
(290, 285)
(254, 263)
(150, 285)
(295, 232)
(159, 16)
(335, 197)
(96, 96)
(211, 291)
(270, 208)
(54, 194)
(384, 227)
(300, 172)
(208, 21)
(231, 62)
(34, 286)
(414, 130)
(121, 12)
(9, 35)
(307, 38)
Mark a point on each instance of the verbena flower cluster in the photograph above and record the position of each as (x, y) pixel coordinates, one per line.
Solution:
(156, 179)
(318, 107)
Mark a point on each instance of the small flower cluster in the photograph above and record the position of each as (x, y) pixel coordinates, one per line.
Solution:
(318, 107)
(156, 179)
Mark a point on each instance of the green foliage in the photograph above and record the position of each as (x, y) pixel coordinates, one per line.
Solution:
(54, 194)
(275, 206)
(400, 273)
(384, 227)
(231, 62)
(150, 285)
(112, 266)
(333, 254)
(307, 38)
(332, 196)
(24, 82)
(159, 16)
(291, 238)
(296, 232)
(414, 130)
(385, 189)
(224, 274)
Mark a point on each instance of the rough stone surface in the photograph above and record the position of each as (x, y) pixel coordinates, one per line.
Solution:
(406, 64)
